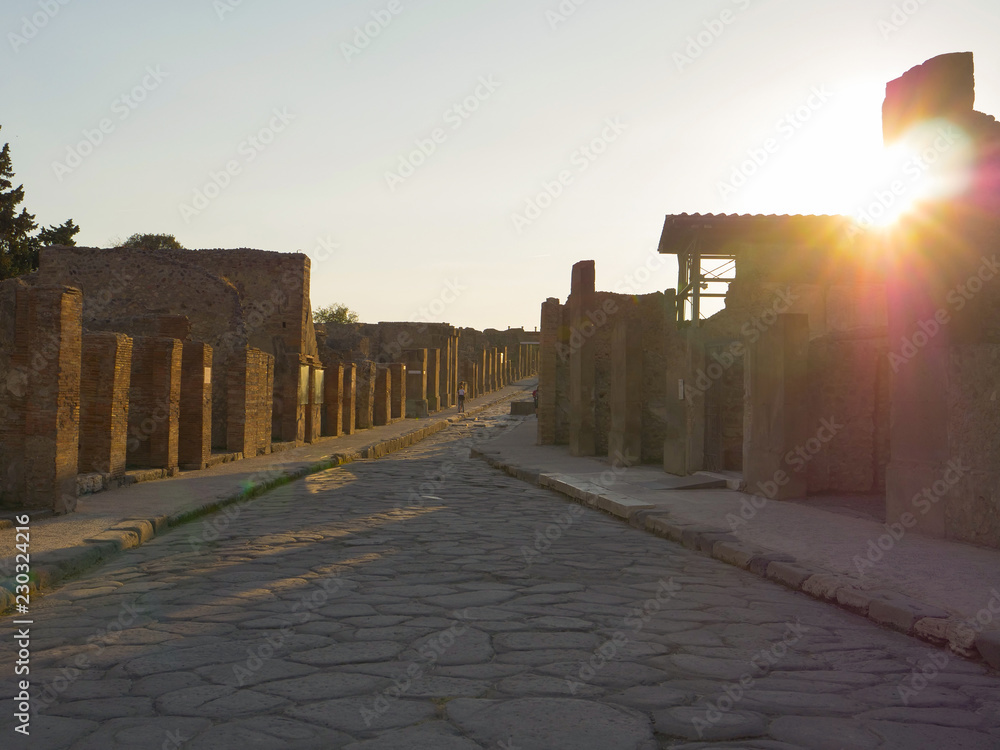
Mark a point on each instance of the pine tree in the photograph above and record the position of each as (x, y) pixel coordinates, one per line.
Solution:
(18, 249)
(18, 246)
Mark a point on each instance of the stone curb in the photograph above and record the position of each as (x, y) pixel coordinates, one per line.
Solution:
(55, 566)
(886, 608)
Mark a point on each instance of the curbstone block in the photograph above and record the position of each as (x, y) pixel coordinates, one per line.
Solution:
(823, 586)
(854, 599)
(789, 574)
(932, 629)
(733, 553)
(121, 538)
(761, 561)
(900, 612)
(141, 527)
(988, 645)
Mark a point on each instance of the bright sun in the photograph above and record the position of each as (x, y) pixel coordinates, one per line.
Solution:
(837, 164)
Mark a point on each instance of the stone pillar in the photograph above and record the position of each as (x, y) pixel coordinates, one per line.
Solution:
(250, 387)
(416, 382)
(104, 385)
(195, 432)
(777, 408)
(347, 398)
(550, 322)
(333, 403)
(446, 395)
(317, 398)
(40, 397)
(154, 403)
(365, 398)
(582, 435)
(397, 375)
(455, 340)
(625, 437)
(383, 396)
(433, 380)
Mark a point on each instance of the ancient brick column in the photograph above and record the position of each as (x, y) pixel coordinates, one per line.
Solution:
(333, 402)
(582, 436)
(348, 399)
(365, 398)
(397, 373)
(433, 380)
(195, 430)
(625, 436)
(39, 395)
(317, 397)
(445, 394)
(551, 319)
(104, 386)
(776, 375)
(383, 396)
(154, 405)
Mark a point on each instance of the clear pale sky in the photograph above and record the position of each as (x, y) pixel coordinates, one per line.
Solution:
(668, 98)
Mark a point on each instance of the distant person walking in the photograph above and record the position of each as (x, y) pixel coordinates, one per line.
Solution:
(461, 400)
(534, 395)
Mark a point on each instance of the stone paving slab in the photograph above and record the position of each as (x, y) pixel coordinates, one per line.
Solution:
(348, 611)
(942, 592)
(107, 523)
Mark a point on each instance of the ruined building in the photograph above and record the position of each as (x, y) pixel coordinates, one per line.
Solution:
(118, 365)
(848, 360)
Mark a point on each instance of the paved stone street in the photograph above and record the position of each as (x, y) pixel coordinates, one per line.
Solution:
(427, 602)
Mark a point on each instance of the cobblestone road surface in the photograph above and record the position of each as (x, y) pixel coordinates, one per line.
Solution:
(427, 602)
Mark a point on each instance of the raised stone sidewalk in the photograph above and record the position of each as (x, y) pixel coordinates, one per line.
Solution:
(942, 592)
(104, 524)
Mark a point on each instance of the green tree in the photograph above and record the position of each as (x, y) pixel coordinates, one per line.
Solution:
(62, 234)
(335, 314)
(18, 249)
(152, 242)
(18, 245)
